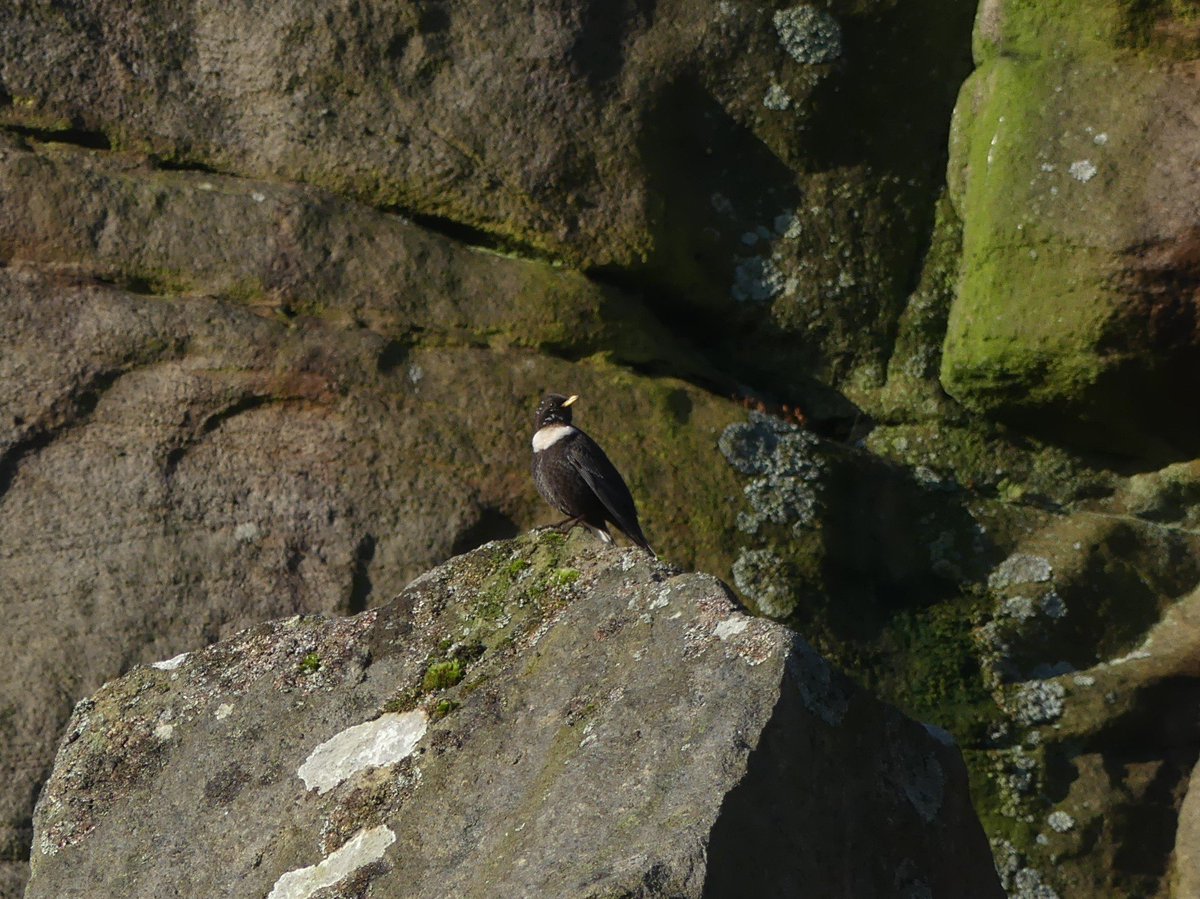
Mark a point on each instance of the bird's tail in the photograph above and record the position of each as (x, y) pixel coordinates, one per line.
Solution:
(639, 539)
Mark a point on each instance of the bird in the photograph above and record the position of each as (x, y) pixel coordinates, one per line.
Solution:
(574, 475)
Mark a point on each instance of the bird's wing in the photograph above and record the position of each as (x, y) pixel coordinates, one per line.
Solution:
(606, 482)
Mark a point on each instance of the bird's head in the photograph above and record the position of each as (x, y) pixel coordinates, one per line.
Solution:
(555, 409)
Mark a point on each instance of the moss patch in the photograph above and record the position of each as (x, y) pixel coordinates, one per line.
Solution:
(441, 675)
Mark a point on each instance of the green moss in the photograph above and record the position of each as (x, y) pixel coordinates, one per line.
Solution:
(1048, 165)
(513, 568)
(155, 281)
(1089, 27)
(564, 577)
(987, 459)
(929, 666)
(310, 663)
(404, 701)
(441, 675)
(245, 290)
(442, 709)
(1010, 491)
(1001, 811)
(912, 391)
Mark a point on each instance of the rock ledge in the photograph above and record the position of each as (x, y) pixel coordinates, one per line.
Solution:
(540, 717)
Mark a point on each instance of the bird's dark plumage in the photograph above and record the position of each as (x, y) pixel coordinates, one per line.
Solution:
(573, 475)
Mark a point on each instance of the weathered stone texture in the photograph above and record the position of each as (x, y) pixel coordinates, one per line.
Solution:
(616, 728)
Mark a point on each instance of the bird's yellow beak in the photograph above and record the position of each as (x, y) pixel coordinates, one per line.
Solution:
(569, 400)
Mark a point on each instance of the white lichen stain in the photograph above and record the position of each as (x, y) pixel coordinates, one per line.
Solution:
(1018, 607)
(223, 711)
(1027, 884)
(1082, 170)
(170, 664)
(1039, 702)
(1134, 656)
(365, 847)
(731, 626)
(761, 575)
(788, 225)
(1020, 568)
(776, 98)
(1060, 822)
(246, 532)
(809, 35)
(164, 731)
(1019, 881)
(372, 744)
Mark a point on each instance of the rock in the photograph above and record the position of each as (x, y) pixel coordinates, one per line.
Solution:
(1097, 789)
(1075, 172)
(280, 283)
(1050, 576)
(617, 728)
(774, 167)
(172, 471)
(295, 250)
(1185, 867)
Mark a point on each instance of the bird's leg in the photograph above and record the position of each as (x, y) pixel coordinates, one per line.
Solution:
(567, 524)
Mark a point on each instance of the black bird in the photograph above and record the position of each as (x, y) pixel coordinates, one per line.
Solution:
(573, 475)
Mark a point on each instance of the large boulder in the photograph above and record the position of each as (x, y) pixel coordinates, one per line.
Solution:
(226, 401)
(538, 718)
(771, 167)
(268, 347)
(1075, 169)
(1040, 609)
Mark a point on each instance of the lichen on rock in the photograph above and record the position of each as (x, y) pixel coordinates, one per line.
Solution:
(617, 729)
(809, 34)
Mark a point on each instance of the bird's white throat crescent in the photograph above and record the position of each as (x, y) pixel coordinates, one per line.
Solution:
(546, 437)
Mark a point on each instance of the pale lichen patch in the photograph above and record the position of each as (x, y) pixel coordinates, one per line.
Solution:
(1060, 821)
(1083, 170)
(809, 35)
(1020, 568)
(372, 744)
(776, 98)
(170, 664)
(365, 848)
(731, 626)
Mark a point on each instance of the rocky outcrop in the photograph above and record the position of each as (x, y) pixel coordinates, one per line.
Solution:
(280, 284)
(771, 167)
(540, 718)
(1076, 174)
(174, 471)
